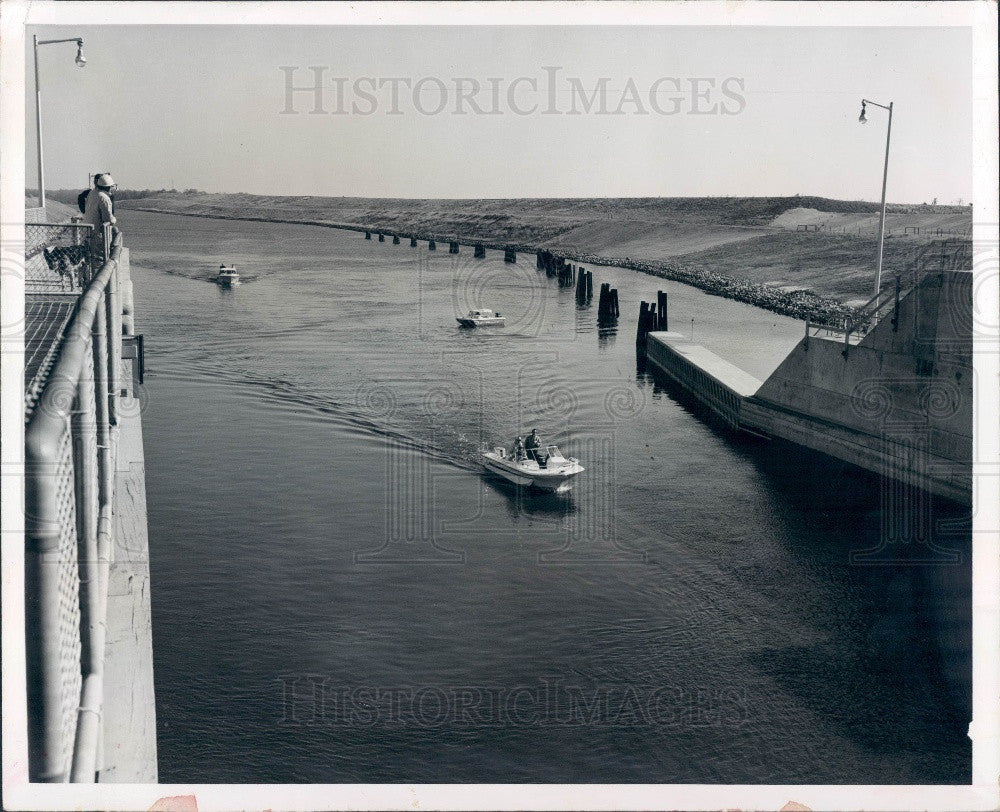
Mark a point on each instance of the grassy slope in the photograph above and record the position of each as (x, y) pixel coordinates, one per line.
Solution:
(748, 238)
(834, 265)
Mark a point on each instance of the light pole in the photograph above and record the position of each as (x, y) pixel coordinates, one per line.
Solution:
(885, 177)
(80, 61)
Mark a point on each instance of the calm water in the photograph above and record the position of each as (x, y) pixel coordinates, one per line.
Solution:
(340, 595)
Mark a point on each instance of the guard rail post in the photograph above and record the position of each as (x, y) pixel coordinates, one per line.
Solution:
(83, 425)
(895, 309)
(113, 312)
(128, 303)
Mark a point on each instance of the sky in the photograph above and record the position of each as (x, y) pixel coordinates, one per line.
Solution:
(678, 111)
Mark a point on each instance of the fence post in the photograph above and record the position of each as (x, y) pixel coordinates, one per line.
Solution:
(895, 310)
(128, 303)
(86, 271)
(106, 240)
(113, 340)
(83, 425)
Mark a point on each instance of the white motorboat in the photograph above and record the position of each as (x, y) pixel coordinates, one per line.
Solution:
(482, 318)
(554, 473)
(228, 277)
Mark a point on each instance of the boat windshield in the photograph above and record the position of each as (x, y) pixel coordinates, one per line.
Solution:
(553, 451)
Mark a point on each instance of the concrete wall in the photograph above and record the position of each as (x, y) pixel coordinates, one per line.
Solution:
(898, 403)
(712, 380)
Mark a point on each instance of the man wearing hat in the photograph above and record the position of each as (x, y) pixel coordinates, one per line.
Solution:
(99, 209)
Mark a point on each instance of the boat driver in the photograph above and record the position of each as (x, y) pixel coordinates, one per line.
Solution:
(531, 446)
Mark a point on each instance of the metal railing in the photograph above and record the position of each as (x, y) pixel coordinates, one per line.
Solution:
(70, 459)
(867, 229)
(939, 255)
(867, 316)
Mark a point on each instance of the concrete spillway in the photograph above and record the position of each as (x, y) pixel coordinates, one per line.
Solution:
(897, 402)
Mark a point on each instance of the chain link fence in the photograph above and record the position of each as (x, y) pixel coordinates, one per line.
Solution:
(59, 258)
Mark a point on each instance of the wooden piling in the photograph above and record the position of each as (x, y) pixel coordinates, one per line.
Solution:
(368, 235)
(640, 330)
(453, 247)
(395, 239)
(647, 323)
(413, 242)
(548, 262)
(509, 255)
(431, 245)
(661, 310)
(590, 285)
(480, 251)
(381, 237)
(607, 307)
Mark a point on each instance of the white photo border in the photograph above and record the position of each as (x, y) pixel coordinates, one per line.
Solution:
(982, 794)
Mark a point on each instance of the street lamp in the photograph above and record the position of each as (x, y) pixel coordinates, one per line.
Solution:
(885, 176)
(80, 61)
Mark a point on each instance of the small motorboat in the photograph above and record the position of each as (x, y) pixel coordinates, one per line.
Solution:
(554, 473)
(228, 277)
(482, 318)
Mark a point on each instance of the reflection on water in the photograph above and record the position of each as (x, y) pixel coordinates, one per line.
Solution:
(318, 512)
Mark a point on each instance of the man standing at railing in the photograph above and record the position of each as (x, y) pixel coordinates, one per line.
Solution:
(99, 210)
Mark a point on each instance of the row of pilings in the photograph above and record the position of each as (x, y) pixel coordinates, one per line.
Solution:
(479, 249)
(569, 274)
(652, 315)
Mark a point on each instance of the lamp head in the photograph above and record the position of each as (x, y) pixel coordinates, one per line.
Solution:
(862, 118)
(81, 60)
